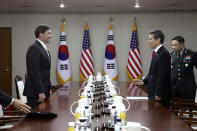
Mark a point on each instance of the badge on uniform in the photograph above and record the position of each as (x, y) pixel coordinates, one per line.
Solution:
(186, 65)
(187, 60)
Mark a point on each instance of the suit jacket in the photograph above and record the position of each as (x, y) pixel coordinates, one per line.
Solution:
(38, 64)
(5, 99)
(183, 79)
(159, 77)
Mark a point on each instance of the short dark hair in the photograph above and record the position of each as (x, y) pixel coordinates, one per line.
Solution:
(158, 34)
(179, 38)
(41, 29)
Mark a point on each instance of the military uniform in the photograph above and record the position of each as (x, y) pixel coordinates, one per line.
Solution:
(182, 77)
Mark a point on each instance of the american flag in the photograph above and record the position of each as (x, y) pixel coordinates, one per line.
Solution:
(134, 69)
(86, 62)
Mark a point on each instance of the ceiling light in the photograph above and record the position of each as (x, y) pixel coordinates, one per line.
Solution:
(62, 5)
(137, 5)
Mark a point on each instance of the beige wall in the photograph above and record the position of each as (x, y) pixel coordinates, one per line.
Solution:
(23, 25)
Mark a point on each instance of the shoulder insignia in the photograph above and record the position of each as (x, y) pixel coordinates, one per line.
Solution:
(191, 50)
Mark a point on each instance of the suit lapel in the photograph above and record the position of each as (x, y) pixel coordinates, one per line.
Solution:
(156, 55)
(160, 50)
(43, 50)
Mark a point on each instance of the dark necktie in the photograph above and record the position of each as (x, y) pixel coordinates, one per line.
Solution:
(48, 55)
(153, 54)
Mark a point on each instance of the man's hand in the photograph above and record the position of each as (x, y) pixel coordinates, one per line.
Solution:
(138, 82)
(20, 105)
(42, 97)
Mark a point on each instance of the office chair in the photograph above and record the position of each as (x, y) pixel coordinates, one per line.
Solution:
(15, 116)
(19, 88)
(185, 109)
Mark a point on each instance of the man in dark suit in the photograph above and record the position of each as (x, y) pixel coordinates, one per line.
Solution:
(183, 61)
(6, 100)
(159, 76)
(38, 64)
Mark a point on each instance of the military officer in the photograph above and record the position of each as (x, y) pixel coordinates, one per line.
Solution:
(183, 61)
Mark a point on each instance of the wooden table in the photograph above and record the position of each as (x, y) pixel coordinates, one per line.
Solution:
(149, 114)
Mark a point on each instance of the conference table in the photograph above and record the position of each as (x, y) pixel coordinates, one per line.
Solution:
(149, 113)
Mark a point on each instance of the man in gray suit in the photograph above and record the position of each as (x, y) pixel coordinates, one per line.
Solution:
(38, 64)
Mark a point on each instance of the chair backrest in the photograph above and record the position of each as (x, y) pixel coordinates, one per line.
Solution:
(19, 88)
(186, 109)
(1, 111)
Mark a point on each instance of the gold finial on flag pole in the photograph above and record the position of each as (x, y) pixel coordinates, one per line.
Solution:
(86, 25)
(111, 23)
(63, 19)
(134, 25)
(111, 19)
(63, 24)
